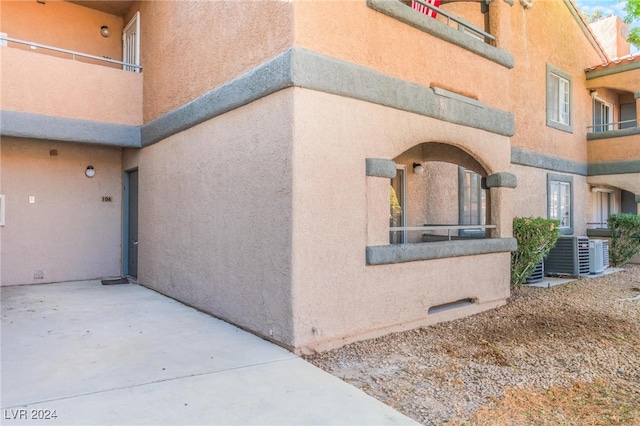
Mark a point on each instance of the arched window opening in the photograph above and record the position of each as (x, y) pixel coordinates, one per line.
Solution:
(437, 195)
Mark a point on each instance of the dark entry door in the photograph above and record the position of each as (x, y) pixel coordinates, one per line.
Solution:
(132, 218)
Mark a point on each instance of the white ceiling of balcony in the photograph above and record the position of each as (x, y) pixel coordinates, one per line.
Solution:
(112, 7)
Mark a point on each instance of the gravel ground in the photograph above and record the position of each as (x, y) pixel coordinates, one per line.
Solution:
(584, 331)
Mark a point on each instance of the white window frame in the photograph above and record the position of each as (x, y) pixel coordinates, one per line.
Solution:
(603, 206)
(560, 201)
(559, 99)
(606, 125)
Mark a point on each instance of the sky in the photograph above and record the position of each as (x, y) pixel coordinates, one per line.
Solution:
(608, 7)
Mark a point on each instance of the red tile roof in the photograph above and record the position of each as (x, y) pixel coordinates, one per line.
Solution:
(614, 62)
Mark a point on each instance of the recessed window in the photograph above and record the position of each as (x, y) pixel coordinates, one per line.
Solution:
(559, 99)
(560, 201)
(602, 116)
(472, 202)
(398, 206)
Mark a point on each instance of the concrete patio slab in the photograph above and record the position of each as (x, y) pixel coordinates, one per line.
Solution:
(125, 354)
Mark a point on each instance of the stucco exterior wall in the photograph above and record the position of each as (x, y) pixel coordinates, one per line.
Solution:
(530, 197)
(69, 233)
(548, 34)
(64, 25)
(216, 217)
(182, 59)
(614, 149)
(336, 297)
(351, 31)
(69, 89)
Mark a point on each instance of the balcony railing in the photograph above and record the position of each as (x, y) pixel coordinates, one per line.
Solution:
(462, 25)
(73, 54)
(441, 228)
(617, 125)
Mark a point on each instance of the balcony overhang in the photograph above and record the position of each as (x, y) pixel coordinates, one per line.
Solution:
(112, 7)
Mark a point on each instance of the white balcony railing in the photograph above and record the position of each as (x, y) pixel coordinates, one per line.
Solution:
(617, 125)
(447, 228)
(73, 54)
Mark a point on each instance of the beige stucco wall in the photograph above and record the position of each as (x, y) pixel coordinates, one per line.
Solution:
(62, 24)
(336, 296)
(216, 216)
(547, 33)
(191, 47)
(530, 197)
(628, 81)
(614, 149)
(68, 88)
(351, 31)
(69, 232)
(609, 31)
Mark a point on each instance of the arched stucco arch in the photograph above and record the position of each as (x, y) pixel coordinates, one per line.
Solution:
(445, 193)
(447, 153)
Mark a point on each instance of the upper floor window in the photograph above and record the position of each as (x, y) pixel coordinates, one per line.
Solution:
(560, 201)
(559, 99)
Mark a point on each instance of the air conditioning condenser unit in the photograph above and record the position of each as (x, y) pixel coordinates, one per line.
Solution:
(570, 256)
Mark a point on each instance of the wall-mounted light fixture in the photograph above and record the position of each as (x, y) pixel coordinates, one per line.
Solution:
(90, 172)
(418, 168)
(594, 93)
(105, 31)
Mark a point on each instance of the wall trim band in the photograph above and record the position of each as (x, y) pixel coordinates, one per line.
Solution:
(36, 126)
(400, 253)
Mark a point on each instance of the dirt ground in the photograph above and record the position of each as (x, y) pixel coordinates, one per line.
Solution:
(567, 355)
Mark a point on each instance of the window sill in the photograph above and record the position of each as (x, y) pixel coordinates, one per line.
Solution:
(559, 126)
(400, 253)
(402, 13)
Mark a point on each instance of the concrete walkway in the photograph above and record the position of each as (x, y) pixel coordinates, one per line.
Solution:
(125, 355)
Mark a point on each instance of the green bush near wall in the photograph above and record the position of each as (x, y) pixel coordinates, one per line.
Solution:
(535, 236)
(625, 237)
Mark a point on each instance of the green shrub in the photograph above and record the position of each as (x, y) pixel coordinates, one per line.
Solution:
(536, 236)
(625, 237)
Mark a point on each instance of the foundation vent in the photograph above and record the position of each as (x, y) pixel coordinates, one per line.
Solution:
(462, 303)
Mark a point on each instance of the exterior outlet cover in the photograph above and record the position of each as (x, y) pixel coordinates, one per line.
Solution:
(32, 199)
(38, 275)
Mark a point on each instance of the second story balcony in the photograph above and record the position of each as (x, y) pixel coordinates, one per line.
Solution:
(614, 135)
(61, 59)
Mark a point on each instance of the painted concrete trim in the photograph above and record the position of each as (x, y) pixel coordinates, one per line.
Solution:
(431, 26)
(502, 180)
(611, 70)
(524, 157)
(378, 167)
(261, 81)
(302, 68)
(636, 95)
(447, 94)
(400, 253)
(613, 134)
(614, 168)
(36, 126)
(323, 73)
